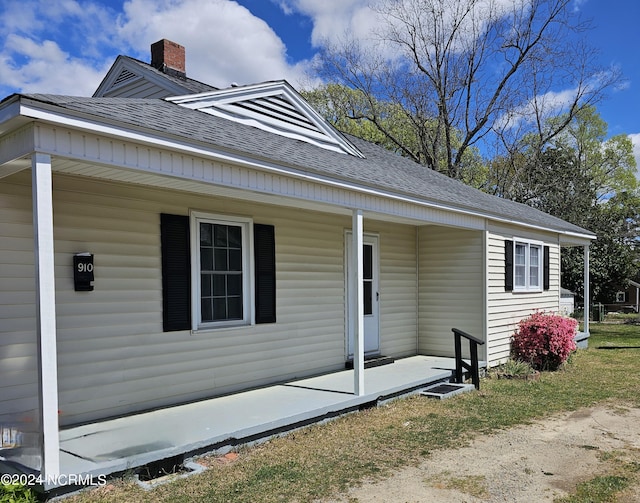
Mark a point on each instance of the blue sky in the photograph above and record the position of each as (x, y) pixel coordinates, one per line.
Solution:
(66, 46)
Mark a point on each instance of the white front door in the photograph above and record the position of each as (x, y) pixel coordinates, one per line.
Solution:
(371, 295)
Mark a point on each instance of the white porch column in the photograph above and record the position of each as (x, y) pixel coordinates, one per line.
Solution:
(46, 311)
(587, 294)
(357, 272)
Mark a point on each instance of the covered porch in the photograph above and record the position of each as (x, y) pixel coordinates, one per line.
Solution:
(219, 424)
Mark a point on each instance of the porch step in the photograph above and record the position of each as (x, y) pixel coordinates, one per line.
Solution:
(371, 361)
(446, 390)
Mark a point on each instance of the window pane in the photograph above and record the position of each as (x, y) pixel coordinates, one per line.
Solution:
(534, 256)
(520, 276)
(206, 259)
(220, 236)
(234, 284)
(205, 285)
(219, 309)
(220, 258)
(534, 266)
(235, 308)
(534, 277)
(206, 308)
(521, 251)
(205, 235)
(235, 260)
(219, 287)
(235, 237)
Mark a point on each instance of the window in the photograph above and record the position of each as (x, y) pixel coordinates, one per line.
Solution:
(527, 265)
(221, 286)
(217, 271)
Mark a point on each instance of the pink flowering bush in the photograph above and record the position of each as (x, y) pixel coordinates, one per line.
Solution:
(544, 340)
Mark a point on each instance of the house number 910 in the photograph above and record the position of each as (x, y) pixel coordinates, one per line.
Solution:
(84, 267)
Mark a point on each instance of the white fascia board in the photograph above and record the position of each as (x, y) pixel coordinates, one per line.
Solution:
(9, 110)
(230, 94)
(576, 239)
(54, 117)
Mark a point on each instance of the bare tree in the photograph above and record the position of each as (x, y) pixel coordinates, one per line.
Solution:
(470, 72)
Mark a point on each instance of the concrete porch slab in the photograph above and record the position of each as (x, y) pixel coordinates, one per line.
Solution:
(125, 443)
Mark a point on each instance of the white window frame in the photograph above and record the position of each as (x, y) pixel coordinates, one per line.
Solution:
(248, 303)
(528, 244)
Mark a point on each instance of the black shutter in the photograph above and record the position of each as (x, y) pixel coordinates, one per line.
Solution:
(265, 271)
(545, 270)
(176, 272)
(508, 265)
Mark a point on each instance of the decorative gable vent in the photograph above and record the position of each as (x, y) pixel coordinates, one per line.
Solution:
(275, 107)
(124, 77)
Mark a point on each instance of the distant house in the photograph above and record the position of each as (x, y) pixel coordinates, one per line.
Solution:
(567, 302)
(165, 241)
(627, 298)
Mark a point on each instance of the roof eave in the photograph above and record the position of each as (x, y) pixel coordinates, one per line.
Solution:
(31, 109)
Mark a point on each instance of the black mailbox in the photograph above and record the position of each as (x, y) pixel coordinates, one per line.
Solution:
(83, 272)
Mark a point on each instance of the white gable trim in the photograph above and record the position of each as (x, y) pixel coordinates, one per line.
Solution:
(124, 64)
(273, 106)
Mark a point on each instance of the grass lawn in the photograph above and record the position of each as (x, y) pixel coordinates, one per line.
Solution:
(323, 460)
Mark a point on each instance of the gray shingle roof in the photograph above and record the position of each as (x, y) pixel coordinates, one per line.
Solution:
(380, 169)
(190, 85)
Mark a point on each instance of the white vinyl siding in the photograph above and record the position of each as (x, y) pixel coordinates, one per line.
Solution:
(114, 357)
(18, 344)
(451, 291)
(505, 308)
(398, 288)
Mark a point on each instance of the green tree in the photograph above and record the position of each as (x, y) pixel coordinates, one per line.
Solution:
(460, 71)
(388, 124)
(589, 180)
(614, 256)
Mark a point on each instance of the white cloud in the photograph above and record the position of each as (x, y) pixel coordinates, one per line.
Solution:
(66, 46)
(224, 42)
(46, 68)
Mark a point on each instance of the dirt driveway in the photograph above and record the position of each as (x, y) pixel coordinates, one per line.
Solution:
(533, 463)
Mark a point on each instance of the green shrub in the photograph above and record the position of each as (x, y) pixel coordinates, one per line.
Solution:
(16, 493)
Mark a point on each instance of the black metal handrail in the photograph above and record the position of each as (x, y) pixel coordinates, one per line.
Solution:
(474, 342)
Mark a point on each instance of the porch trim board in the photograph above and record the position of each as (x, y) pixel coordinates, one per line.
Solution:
(46, 311)
(357, 292)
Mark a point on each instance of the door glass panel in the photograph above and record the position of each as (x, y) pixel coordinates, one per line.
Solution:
(368, 297)
(367, 256)
(367, 265)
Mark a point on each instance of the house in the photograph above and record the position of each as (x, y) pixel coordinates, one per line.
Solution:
(165, 242)
(627, 298)
(567, 302)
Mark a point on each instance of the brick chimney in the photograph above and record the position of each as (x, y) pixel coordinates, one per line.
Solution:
(169, 57)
